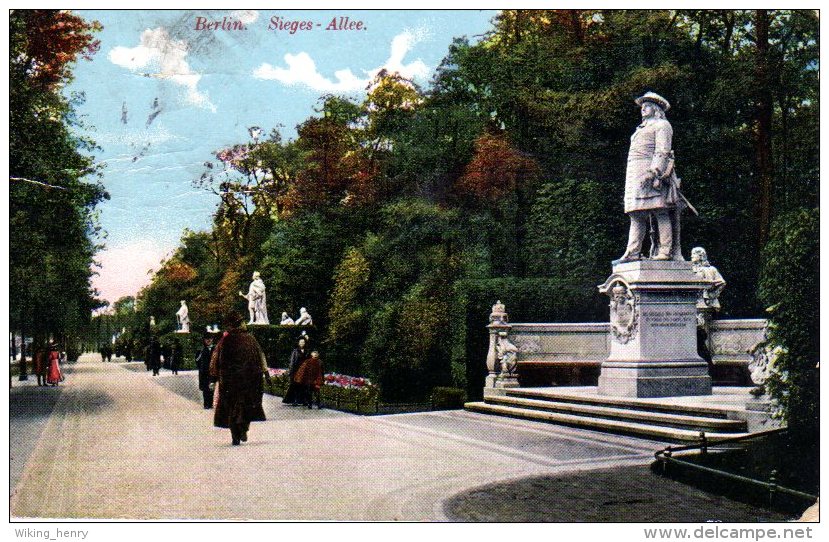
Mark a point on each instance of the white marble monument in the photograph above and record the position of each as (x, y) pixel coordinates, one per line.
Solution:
(653, 301)
(183, 318)
(257, 306)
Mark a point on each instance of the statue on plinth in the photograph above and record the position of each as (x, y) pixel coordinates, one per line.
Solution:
(652, 196)
(257, 306)
(183, 318)
(304, 318)
(286, 320)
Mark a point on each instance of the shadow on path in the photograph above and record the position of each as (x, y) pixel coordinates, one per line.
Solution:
(629, 494)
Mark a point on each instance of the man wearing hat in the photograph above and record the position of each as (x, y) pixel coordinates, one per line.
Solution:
(651, 185)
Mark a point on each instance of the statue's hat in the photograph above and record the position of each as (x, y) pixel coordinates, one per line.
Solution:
(655, 98)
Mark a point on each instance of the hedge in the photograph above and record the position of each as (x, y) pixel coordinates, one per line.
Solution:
(526, 300)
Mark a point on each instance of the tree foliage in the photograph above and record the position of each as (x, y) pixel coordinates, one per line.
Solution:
(509, 166)
(52, 224)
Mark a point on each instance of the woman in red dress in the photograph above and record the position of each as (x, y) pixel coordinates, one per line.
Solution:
(54, 375)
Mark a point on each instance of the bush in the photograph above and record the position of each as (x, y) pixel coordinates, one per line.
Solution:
(789, 286)
(526, 300)
(448, 398)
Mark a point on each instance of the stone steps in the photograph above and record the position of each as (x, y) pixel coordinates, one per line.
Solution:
(680, 421)
(649, 430)
(631, 403)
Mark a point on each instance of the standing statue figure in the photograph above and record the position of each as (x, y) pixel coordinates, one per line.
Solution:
(183, 318)
(652, 196)
(304, 318)
(256, 300)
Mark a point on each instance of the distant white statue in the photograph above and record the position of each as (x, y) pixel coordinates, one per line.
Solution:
(304, 318)
(256, 300)
(152, 321)
(183, 317)
(286, 320)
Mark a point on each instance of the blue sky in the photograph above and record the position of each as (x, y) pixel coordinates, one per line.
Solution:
(188, 93)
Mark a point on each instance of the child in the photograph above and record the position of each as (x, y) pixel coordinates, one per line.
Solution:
(310, 376)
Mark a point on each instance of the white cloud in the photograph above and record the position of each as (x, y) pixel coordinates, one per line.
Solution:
(246, 16)
(302, 70)
(158, 51)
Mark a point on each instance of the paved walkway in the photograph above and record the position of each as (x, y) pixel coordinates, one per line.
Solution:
(120, 443)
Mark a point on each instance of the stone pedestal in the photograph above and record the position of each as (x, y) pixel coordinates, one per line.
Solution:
(653, 331)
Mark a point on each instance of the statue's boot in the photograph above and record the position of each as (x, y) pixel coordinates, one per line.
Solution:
(627, 258)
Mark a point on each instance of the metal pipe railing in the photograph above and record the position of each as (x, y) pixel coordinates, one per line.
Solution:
(665, 456)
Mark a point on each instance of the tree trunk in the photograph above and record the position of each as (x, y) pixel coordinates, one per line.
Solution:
(763, 123)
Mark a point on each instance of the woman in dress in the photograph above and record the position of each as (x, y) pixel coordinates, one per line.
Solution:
(54, 375)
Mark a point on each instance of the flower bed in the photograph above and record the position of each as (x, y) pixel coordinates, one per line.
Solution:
(340, 392)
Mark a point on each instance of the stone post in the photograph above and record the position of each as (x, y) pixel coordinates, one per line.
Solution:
(498, 323)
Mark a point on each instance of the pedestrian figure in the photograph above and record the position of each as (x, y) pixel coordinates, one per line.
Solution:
(203, 364)
(154, 355)
(54, 375)
(298, 355)
(175, 356)
(238, 364)
(41, 365)
(309, 378)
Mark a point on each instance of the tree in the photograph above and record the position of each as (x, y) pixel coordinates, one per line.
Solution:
(52, 224)
(790, 288)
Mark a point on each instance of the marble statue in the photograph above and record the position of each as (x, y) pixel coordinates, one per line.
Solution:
(709, 297)
(286, 320)
(507, 355)
(152, 321)
(304, 318)
(652, 196)
(257, 306)
(183, 318)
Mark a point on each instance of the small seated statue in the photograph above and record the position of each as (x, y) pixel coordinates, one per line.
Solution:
(286, 320)
(304, 318)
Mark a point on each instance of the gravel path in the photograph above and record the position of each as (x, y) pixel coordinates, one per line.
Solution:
(120, 443)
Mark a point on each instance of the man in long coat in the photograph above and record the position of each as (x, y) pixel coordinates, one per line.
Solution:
(154, 355)
(203, 364)
(238, 364)
(651, 185)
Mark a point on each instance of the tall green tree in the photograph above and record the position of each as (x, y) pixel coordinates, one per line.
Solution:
(53, 230)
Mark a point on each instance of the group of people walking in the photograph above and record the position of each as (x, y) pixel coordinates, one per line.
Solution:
(155, 352)
(47, 365)
(232, 373)
(305, 376)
